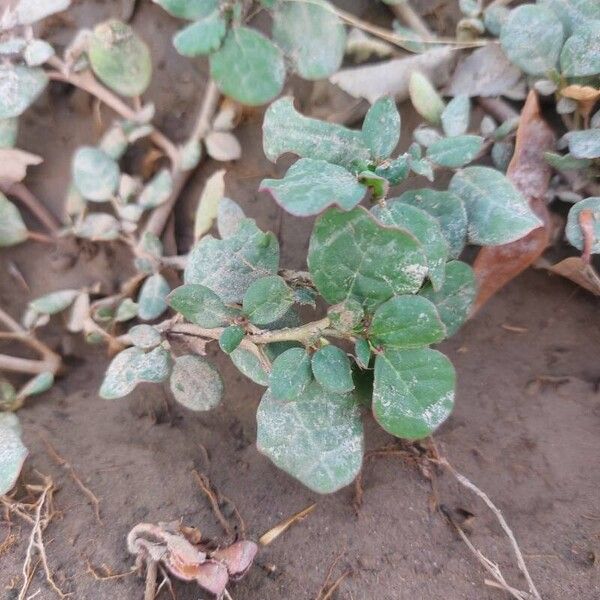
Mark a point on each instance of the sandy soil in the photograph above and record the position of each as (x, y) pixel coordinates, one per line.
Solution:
(532, 447)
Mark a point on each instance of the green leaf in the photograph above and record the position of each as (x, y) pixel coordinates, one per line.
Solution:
(267, 300)
(231, 338)
(318, 438)
(208, 205)
(352, 255)
(37, 53)
(120, 58)
(157, 190)
(189, 9)
(573, 13)
(406, 322)
(133, 366)
(424, 227)
(573, 228)
(455, 299)
(362, 352)
(19, 88)
(200, 305)
(449, 211)
(494, 17)
(152, 299)
(95, 174)
(580, 56)
(249, 365)
(566, 162)
(425, 98)
(381, 128)
(532, 37)
(195, 383)
(39, 384)
(190, 154)
(497, 212)
(9, 129)
(145, 337)
(332, 370)
(229, 217)
(291, 374)
(455, 151)
(585, 143)
(312, 35)
(395, 171)
(54, 302)
(413, 393)
(248, 67)
(346, 316)
(126, 310)
(228, 267)
(12, 452)
(12, 228)
(456, 116)
(202, 37)
(286, 130)
(31, 11)
(310, 186)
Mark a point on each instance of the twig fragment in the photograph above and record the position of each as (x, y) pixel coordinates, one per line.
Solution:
(273, 533)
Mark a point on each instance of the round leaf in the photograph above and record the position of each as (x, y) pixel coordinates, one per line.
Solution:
(381, 128)
(332, 370)
(229, 217)
(584, 143)
(457, 151)
(195, 383)
(145, 337)
(95, 174)
(230, 338)
(189, 9)
(532, 37)
(39, 384)
(497, 212)
(291, 374)
(228, 267)
(248, 67)
(157, 190)
(449, 211)
(120, 58)
(201, 306)
(352, 255)
(346, 316)
(98, 227)
(54, 302)
(455, 299)
(425, 228)
(152, 299)
(580, 56)
(310, 186)
(413, 392)
(19, 88)
(12, 228)
(573, 229)
(406, 322)
(133, 366)
(250, 365)
(312, 35)
(12, 452)
(267, 300)
(318, 438)
(425, 98)
(362, 352)
(202, 37)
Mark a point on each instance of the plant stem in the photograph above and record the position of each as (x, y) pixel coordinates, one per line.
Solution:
(42, 214)
(87, 82)
(158, 219)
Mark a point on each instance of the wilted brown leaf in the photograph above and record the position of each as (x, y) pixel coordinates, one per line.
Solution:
(578, 271)
(585, 95)
(495, 266)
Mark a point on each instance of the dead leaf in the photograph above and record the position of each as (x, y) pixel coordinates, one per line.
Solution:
(495, 266)
(14, 163)
(276, 531)
(361, 46)
(390, 78)
(237, 558)
(223, 146)
(585, 95)
(578, 271)
(484, 72)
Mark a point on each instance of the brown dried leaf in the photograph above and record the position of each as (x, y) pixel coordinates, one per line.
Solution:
(578, 271)
(495, 266)
(275, 532)
(586, 95)
(237, 558)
